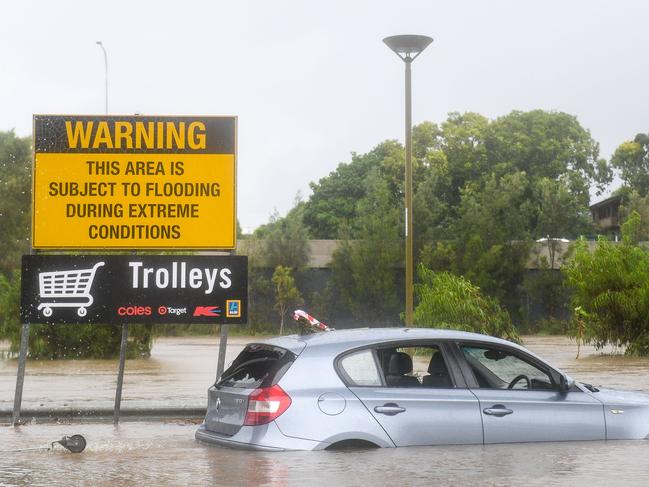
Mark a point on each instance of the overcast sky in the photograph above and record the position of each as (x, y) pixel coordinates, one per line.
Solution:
(312, 82)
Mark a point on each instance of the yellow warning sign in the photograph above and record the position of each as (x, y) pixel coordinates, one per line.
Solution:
(134, 182)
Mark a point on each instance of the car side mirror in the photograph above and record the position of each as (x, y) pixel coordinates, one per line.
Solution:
(565, 384)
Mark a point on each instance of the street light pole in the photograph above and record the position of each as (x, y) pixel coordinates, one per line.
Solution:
(99, 43)
(408, 47)
(408, 196)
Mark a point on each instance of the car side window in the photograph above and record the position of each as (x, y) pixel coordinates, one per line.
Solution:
(495, 368)
(361, 369)
(414, 366)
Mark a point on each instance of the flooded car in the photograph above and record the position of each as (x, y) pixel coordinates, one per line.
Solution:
(395, 387)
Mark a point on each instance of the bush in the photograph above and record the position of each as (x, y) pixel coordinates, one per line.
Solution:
(449, 301)
(610, 291)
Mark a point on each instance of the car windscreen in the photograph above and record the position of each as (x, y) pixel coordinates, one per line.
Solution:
(258, 365)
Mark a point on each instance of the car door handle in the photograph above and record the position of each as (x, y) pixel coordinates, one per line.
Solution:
(390, 409)
(497, 410)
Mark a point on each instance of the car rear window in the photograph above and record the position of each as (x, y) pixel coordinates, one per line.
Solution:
(257, 366)
(360, 368)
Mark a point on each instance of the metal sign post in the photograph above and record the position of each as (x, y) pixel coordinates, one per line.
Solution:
(120, 374)
(20, 378)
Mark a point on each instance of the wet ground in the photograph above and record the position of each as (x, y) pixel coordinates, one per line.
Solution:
(165, 453)
(177, 374)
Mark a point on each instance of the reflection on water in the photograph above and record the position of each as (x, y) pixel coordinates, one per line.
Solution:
(166, 454)
(156, 453)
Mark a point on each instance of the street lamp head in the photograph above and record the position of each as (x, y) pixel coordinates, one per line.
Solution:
(408, 46)
(99, 43)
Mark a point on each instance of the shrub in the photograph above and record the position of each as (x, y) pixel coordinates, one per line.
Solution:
(450, 301)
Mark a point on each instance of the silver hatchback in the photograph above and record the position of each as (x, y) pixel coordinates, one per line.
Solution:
(407, 386)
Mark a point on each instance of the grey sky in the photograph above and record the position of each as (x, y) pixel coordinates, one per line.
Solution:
(312, 81)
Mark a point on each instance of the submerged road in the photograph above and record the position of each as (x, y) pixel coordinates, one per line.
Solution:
(164, 452)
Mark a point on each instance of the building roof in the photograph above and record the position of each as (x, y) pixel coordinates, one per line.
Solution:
(611, 200)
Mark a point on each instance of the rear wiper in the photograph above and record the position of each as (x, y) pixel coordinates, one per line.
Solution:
(590, 387)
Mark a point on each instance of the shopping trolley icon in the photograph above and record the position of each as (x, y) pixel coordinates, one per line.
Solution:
(66, 289)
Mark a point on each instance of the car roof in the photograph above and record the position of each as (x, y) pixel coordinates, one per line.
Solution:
(339, 341)
(358, 337)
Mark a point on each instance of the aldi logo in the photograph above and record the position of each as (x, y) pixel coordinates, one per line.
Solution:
(233, 308)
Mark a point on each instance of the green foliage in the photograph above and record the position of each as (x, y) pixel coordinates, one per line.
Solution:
(286, 293)
(333, 205)
(633, 202)
(611, 287)
(365, 269)
(483, 192)
(631, 159)
(492, 236)
(559, 213)
(449, 301)
(9, 305)
(550, 145)
(283, 241)
(15, 199)
(463, 144)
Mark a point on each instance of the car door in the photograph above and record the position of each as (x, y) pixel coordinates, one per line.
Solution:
(520, 401)
(415, 411)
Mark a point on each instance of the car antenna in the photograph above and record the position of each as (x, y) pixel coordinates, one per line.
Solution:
(74, 444)
(309, 323)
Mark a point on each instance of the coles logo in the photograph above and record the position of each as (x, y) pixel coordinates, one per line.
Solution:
(207, 311)
(134, 311)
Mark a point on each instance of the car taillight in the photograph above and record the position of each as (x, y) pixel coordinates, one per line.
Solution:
(265, 405)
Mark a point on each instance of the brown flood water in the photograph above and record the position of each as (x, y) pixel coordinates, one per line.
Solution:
(165, 453)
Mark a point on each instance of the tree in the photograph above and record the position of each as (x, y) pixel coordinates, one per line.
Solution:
(463, 144)
(333, 205)
(632, 201)
(559, 213)
(528, 176)
(631, 158)
(611, 287)
(10, 306)
(449, 301)
(549, 145)
(483, 192)
(285, 241)
(286, 294)
(365, 270)
(15, 199)
(492, 236)
(432, 202)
